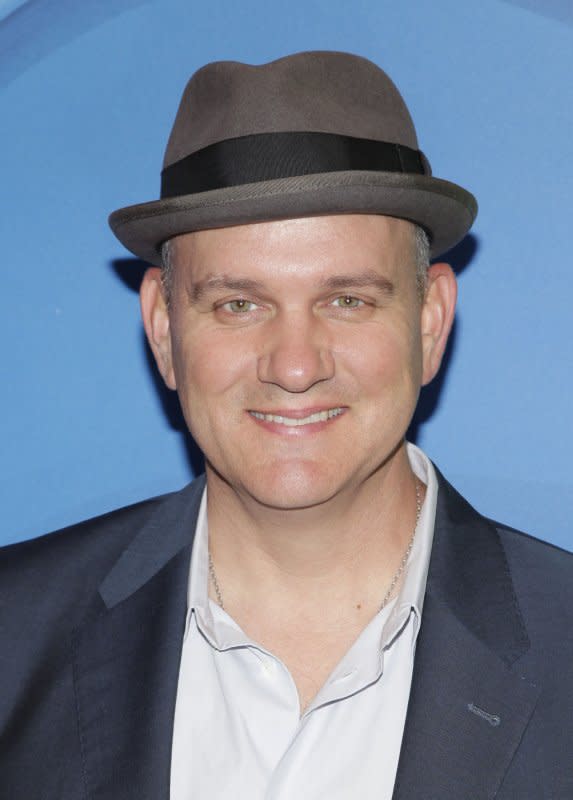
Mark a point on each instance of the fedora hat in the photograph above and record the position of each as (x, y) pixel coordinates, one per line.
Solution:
(309, 134)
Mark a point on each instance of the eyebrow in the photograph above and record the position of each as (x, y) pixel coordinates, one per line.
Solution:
(217, 282)
(361, 280)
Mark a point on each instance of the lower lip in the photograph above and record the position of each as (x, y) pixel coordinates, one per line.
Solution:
(297, 430)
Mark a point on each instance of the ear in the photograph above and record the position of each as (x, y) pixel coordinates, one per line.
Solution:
(437, 317)
(155, 316)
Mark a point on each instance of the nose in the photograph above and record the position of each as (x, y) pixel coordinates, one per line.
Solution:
(297, 354)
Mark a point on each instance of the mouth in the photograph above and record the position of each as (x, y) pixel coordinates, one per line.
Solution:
(298, 419)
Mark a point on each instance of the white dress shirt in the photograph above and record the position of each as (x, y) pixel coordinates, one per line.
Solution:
(238, 732)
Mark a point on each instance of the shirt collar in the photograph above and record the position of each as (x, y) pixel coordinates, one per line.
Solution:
(220, 630)
(411, 596)
(198, 587)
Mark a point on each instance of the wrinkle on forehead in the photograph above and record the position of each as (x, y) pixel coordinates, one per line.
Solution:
(316, 245)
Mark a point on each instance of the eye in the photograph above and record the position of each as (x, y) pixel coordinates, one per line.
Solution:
(348, 301)
(239, 306)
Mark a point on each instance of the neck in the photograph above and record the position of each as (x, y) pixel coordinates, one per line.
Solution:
(346, 550)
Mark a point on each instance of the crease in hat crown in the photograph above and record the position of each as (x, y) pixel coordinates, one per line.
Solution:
(320, 92)
(304, 92)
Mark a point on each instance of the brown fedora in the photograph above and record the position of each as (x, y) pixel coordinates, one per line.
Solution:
(312, 133)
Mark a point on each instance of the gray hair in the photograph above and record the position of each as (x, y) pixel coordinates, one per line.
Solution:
(166, 251)
(421, 263)
(421, 259)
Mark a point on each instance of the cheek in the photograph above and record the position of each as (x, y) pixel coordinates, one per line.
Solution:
(208, 366)
(384, 359)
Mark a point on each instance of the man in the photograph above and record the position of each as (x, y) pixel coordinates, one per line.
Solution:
(322, 615)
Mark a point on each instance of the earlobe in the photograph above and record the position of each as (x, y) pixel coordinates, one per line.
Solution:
(437, 317)
(155, 315)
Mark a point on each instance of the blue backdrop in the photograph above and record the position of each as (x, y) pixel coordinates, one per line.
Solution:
(89, 91)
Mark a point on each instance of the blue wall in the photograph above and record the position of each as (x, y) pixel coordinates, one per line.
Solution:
(89, 91)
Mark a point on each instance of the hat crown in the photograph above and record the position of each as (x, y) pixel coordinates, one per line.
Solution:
(320, 91)
(310, 134)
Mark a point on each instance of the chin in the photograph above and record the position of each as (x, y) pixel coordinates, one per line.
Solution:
(295, 488)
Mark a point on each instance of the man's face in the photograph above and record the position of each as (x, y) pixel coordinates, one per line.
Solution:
(298, 349)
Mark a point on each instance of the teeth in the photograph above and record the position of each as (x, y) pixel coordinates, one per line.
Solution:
(290, 422)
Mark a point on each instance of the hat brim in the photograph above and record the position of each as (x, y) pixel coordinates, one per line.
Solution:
(445, 210)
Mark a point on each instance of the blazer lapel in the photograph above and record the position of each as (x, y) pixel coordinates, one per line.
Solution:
(127, 654)
(469, 703)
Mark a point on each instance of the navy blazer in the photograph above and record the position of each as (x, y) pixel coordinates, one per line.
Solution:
(91, 624)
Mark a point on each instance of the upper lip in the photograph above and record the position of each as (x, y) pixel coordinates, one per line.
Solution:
(296, 413)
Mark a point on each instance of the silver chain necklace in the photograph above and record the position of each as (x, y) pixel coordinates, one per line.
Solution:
(393, 582)
(406, 555)
(215, 581)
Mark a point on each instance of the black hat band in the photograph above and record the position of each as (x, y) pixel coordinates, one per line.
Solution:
(268, 156)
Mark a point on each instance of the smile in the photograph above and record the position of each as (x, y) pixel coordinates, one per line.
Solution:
(295, 422)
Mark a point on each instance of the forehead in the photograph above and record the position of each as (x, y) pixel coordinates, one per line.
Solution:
(301, 247)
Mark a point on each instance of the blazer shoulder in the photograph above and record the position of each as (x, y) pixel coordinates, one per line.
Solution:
(535, 558)
(499, 567)
(529, 552)
(542, 576)
(74, 539)
(66, 566)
